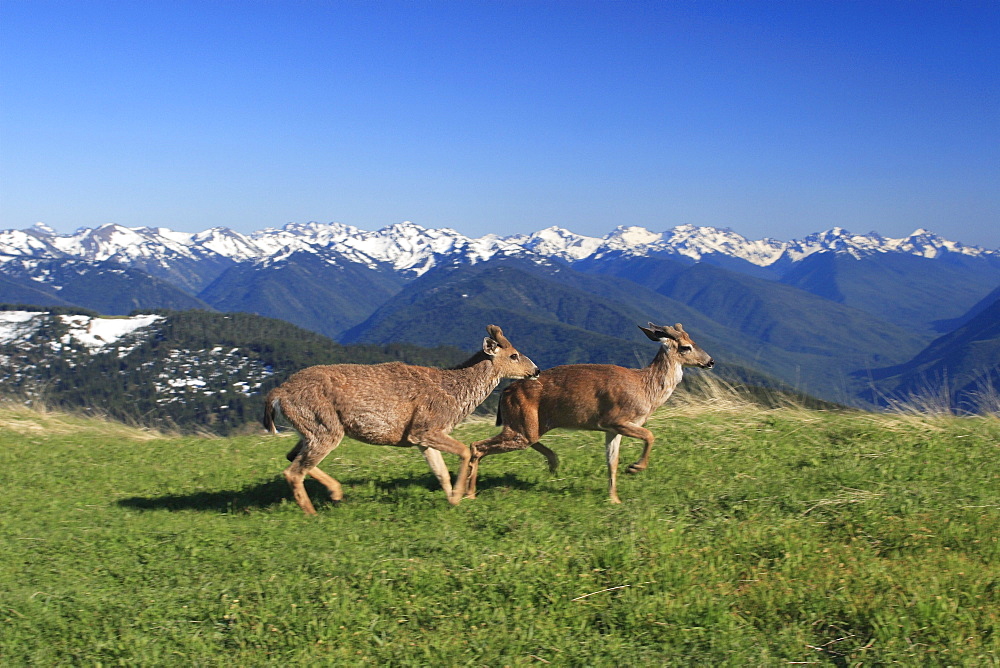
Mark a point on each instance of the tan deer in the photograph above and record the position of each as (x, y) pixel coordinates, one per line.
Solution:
(389, 404)
(592, 397)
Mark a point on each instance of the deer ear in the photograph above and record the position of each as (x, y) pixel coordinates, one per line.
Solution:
(652, 334)
(490, 347)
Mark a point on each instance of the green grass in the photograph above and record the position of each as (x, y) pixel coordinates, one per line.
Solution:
(757, 537)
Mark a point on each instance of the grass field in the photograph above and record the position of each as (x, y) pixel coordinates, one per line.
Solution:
(756, 537)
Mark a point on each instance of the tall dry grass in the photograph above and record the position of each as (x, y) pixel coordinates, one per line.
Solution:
(37, 418)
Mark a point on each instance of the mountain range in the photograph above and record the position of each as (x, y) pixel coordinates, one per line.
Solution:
(835, 314)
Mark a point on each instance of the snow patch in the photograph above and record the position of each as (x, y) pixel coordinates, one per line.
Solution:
(94, 333)
(17, 325)
(100, 332)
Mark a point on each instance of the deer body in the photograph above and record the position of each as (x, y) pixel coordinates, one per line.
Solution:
(592, 397)
(389, 404)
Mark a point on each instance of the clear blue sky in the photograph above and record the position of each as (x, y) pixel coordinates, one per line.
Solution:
(772, 118)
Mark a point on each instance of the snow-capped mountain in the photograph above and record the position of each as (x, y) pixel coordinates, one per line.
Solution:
(413, 250)
(406, 247)
(769, 305)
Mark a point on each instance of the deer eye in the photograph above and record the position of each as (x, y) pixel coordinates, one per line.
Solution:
(683, 349)
(515, 357)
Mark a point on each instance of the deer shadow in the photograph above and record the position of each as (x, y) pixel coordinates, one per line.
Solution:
(271, 493)
(260, 495)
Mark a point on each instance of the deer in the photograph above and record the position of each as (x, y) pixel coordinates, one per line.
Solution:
(592, 397)
(392, 403)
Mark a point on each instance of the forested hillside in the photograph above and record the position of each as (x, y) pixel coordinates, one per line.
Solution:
(960, 370)
(190, 369)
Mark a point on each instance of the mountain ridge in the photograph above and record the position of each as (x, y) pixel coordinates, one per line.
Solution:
(808, 313)
(412, 250)
(959, 370)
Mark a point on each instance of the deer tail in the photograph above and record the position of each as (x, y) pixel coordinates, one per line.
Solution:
(271, 407)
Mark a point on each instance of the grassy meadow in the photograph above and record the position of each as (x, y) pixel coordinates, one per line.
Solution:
(757, 537)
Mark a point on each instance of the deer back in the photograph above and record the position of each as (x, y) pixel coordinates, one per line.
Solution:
(579, 396)
(374, 403)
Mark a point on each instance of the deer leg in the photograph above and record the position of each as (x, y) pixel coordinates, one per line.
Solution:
(612, 444)
(294, 452)
(646, 436)
(328, 481)
(505, 441)
(551, 457)
(440, 469)
(470, 484)
(295, 474)
(445, 443)
(310, 452)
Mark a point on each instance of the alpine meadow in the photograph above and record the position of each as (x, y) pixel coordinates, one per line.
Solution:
(761, 534)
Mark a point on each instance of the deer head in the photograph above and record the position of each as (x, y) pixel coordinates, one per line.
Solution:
(678, 341)
(507, 361)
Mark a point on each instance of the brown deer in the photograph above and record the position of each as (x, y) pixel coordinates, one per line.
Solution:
(389, 404)
(593, 397)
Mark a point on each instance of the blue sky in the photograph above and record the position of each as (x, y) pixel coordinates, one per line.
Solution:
(773, 118)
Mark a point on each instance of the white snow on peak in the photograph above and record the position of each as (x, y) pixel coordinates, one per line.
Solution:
(411, 248)
(15, 243)
(557, 242)
(695, 242)
(926, 244)
(921, 243)
(227, 243)
(631, 237)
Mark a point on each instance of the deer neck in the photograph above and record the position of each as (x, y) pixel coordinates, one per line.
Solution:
(663, 375)
(471, 383)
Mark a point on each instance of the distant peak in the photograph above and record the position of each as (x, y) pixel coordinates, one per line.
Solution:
(555, 229)
(405, 225)
(556, 232)
(311, 225)
(42, 228)
(634, 235)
